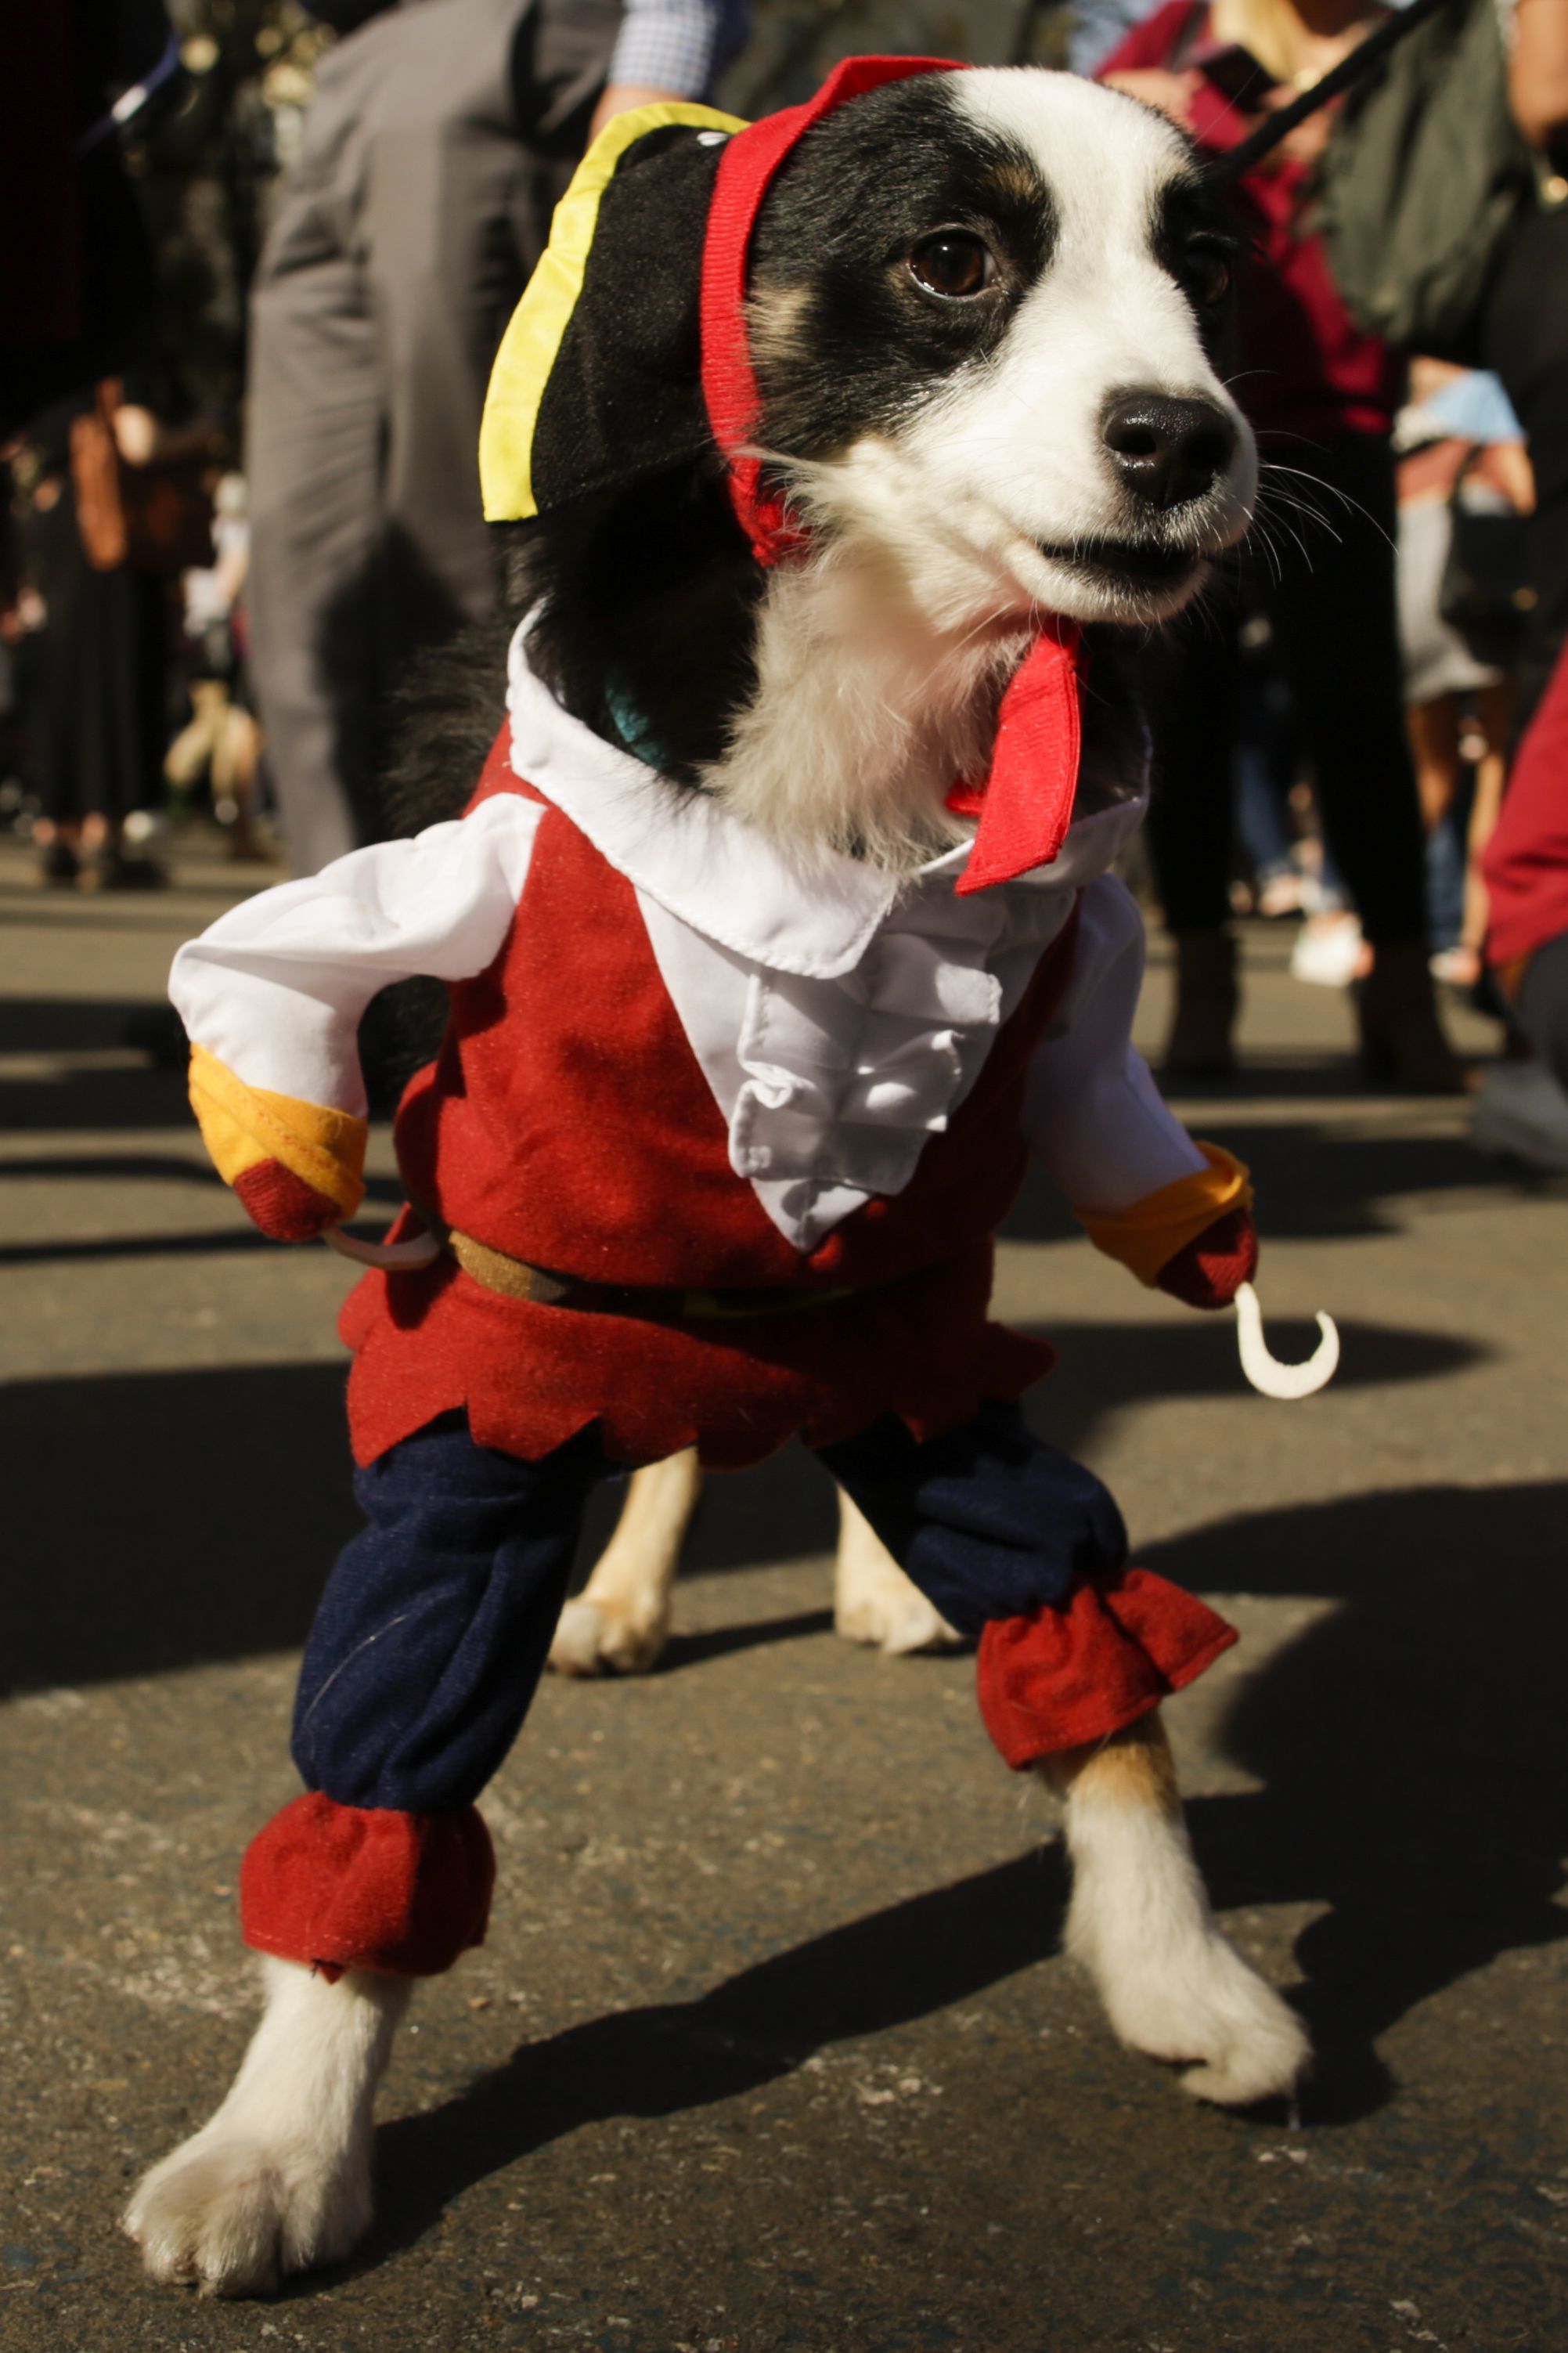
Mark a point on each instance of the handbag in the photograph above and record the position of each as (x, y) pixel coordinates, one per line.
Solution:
(1424, 174)
(156, 517)
(1484, 592)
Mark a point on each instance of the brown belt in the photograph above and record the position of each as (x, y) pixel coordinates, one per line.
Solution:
(540, 1286)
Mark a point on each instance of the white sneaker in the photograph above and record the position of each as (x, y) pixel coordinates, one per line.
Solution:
(1327, 952)
(1280, 896)
(1520, 1108)
(1456, 967)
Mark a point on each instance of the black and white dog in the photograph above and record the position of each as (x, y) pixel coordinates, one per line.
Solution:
(984, 313)
(984, 318)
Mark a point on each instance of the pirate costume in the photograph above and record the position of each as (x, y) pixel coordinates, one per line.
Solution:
(713, 1155)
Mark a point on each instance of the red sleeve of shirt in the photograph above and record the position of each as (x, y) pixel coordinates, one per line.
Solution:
(1215, 123)
(1211, 119)
(1526, 862)
(1151, 42)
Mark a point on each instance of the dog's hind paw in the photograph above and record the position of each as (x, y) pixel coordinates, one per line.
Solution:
(595, 1638)
(873, 1602)
(232, 2215)
(883, 1609)
(897, 1625)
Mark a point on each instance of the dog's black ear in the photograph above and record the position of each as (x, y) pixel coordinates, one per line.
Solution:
(597, 383)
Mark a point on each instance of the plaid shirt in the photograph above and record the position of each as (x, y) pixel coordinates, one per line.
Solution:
(678, 45)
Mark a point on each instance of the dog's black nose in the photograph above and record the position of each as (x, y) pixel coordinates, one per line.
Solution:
(1166, 450)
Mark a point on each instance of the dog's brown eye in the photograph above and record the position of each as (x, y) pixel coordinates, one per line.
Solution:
(1207, 270)
(953, 263)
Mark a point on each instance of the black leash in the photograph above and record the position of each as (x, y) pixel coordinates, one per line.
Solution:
(1227, 169)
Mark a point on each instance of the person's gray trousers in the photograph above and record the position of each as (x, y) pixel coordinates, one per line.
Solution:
(440, 138)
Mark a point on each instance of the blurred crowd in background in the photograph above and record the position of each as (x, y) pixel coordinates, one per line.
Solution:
(271, 248)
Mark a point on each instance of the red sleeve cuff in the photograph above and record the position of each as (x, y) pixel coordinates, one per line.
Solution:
(283, 1205)
(1212, 1268)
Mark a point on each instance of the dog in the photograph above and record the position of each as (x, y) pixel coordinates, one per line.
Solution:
(984, 312)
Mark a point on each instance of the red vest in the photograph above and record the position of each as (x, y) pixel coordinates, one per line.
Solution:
(567, 1123)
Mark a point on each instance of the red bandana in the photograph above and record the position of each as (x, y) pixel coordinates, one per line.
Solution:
(1024, 805)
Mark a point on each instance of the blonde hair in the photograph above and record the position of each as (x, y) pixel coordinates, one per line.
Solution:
(1269, 29)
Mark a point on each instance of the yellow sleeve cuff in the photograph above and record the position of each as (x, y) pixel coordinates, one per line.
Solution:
(242, 1126)
(1147, 1235)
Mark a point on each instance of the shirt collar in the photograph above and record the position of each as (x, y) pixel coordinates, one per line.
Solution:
(718, 874)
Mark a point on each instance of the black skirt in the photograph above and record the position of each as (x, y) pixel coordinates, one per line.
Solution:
(100, 715)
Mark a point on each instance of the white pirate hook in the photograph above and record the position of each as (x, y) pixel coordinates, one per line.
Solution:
(1268, 1375)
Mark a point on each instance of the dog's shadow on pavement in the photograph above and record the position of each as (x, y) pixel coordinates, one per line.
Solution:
(902, 1963)
(1415, 1788)
(1416, 1779)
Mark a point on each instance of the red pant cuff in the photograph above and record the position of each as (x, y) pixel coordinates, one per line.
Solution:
(1062, 1678)
(366, 1887)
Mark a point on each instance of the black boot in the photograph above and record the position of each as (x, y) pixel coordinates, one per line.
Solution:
(1402, 1040)
(1199, 1045)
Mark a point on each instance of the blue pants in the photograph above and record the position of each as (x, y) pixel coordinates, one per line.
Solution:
(436, 1623)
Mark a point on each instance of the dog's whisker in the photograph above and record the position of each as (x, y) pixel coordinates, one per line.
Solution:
(1306, 515)
(1335, 490)
(1265, 542)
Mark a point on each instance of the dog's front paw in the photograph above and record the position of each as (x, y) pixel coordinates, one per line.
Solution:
(600, 1637)
(1204, 2010)
(1256, 2048)
(232, 2214)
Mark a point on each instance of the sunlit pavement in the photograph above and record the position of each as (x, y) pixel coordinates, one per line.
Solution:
(771, 2046)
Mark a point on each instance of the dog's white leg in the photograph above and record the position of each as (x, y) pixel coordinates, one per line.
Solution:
(280, 2180)
(619, 1624)
(1141, 1925)
(874, 1601)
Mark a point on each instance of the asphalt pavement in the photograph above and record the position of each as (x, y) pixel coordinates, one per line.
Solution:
(772, 2049)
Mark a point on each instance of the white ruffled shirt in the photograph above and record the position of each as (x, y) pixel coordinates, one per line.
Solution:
(840, 1019)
